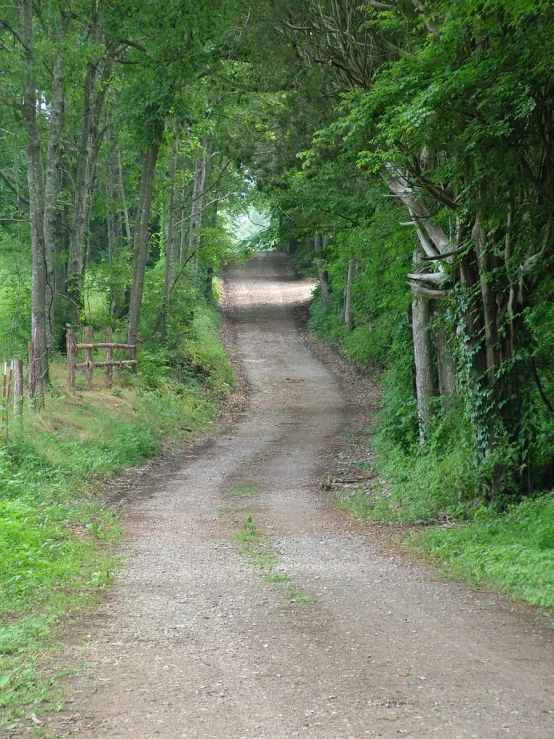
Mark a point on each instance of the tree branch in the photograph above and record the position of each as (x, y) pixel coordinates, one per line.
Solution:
(436, 277)
(429, 293)
(446, 254)
(5, 179)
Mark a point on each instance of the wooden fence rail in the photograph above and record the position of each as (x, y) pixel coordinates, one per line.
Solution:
(88, 346)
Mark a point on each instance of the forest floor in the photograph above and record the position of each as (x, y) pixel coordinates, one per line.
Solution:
(251, 607)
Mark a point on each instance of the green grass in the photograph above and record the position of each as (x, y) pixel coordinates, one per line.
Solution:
(245, 490)
(277, 577)
(57, 535)
(260, 551)
(56, 552)
(513, 552)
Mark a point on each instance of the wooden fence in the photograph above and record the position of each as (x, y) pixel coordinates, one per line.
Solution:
(89, 364)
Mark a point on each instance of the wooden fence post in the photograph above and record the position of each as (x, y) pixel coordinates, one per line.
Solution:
(132, 352)
(89, 362)
(18, 387)
(70, 343)
(109, 359)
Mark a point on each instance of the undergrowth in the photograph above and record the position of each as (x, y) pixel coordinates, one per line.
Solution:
(434, 491)
(513, 551)
(57, 535)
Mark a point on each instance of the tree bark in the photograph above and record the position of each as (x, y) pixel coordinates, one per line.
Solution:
(128, 232)
(210, 269)
(184, 232)
(198, 201)
(423, 359)
(319, 244)
(89, 146)
(170, 237)
(150, 157)
(348, 316)
(53, 177)
(36, 194)
(114, 208)
(446, 369)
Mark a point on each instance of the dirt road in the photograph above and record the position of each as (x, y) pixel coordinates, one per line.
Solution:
(346, 640)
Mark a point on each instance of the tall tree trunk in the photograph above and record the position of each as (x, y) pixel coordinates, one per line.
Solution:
(53, 177)
(93, 100)
(423, 358)
(184, 231)
(198, 201)
(320, 242)
(446, 369)
(348, 316)
(36, 194)
(210, 269)
(147, 177)
(128, 232)
(114, 208)
(170, 237)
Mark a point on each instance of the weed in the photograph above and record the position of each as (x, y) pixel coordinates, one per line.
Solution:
(259, 550)
(245, 490)
(277, 577)
(293, 594)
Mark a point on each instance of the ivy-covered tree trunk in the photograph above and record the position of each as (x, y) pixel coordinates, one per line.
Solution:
(446, 367)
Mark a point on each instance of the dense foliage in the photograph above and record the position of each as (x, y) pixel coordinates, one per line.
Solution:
(423, 202)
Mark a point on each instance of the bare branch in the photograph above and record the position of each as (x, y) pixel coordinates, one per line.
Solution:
(205, 207)
(446, 254)
(14, 33)
(429, 293)
(434, 277)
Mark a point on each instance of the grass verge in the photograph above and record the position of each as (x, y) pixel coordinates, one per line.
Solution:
(57, 535)
(511, 551)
